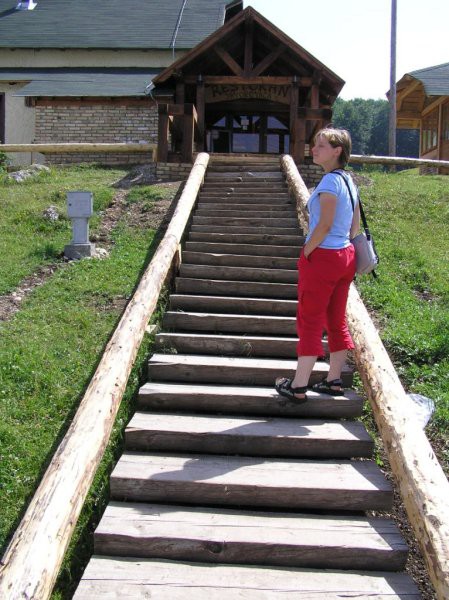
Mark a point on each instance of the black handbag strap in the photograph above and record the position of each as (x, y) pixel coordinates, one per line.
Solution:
(362, 212)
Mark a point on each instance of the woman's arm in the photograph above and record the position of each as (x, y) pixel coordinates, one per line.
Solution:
(328, 205)
(355, 223)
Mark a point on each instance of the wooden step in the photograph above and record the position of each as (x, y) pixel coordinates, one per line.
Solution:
(230, 370)
(140, 578)
(245, 400)
(249, 229)
(266, 239)
(227, 345)
(247, 211)
(253, 184)
(227, 536)
(233, 304)
(188, 285)
(239, 260)
(203, 321)
(246, 174)
(224, 209)
(246, 221)
(251, 481)
(245, 249)
(239, 273)
(280, 199)
(250, 436)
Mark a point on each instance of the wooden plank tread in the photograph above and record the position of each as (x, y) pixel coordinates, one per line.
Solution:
(229, 536)
(251, 436)
(251, 481)
(252, 400)
(139, 579)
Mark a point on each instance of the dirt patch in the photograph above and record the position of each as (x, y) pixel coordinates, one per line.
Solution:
(135, 214)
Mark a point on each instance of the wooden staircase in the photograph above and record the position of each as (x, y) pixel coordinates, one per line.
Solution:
(227, 490)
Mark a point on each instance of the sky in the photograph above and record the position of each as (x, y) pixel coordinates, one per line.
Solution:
(352, 37)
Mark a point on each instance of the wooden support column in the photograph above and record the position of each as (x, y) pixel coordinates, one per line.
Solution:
(294, 103)
(188, 133)
(180, 92)
(162, 142)
(301, 141)
(201, 112)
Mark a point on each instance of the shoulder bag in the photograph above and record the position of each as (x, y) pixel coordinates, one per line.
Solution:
(366, 256)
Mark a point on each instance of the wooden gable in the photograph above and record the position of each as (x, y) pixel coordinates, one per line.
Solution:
(250, 49)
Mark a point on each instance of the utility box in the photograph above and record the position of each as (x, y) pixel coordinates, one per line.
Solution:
(80, 206)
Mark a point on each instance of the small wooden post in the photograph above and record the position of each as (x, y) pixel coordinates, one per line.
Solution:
(162, 142)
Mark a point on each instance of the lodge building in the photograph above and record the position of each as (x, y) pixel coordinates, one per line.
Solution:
(189, 75)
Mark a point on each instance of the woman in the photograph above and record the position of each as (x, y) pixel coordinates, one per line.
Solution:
(326, 269)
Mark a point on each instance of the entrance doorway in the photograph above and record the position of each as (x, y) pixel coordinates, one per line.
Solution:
(248, 133)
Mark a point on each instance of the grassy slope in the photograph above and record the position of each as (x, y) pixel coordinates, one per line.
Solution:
(409, 215)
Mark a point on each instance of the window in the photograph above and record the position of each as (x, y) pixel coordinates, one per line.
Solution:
(429, 133)
(445, 122)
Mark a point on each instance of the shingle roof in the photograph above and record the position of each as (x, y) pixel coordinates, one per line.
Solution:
(81, 82)
(435, 79)
(134, 24)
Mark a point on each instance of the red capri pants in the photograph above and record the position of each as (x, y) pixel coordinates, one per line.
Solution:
(324, 280)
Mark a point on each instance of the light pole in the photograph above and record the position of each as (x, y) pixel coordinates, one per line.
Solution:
(392, 119)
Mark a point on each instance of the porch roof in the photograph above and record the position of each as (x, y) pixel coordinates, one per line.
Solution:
(81, 82)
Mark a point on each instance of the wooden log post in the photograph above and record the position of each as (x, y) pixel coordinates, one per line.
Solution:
(162, 136)
(360, 159)
(190, 118)
(201, 111)
(31, 562)
(422, 483)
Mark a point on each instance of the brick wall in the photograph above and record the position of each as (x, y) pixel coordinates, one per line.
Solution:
(96, 122)
(173, 171)
(311, 174)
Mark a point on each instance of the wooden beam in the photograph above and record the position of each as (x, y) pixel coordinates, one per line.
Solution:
(71, 148)
(201, 110)
(304, 112)
(422, 483)
(188, 136)
(241, 80)
(229, 61)
(249, 42)
(402, 94)
(32, 560)
(267, 61)
(396, 160)
(294, 102)
(180, 92)
(162, 135)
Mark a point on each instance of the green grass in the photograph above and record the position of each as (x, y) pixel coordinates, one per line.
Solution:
(409, 215)
(50, 349)
(27, 239)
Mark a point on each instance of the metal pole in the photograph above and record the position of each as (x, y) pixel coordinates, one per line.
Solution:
(392, 119)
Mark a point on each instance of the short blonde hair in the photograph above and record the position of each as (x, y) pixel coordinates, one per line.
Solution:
(337, 138)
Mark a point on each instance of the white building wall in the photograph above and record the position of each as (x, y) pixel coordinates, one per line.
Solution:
(19, 123)
(44, 59)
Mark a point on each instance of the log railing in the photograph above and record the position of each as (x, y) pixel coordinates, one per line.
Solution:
(78, 148)
(422, 483)
(31, 562)
(360, 159)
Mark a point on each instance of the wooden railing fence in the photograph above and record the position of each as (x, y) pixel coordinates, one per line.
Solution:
(32, 560)
(422, 483)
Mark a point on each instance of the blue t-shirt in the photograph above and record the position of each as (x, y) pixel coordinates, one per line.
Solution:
(338, 236)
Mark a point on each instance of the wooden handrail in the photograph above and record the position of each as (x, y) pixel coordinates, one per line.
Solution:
(422, 483)
(75, 147)
(361, 159)
(32, 560)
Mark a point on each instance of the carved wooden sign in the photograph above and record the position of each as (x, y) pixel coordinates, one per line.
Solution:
(223, 93)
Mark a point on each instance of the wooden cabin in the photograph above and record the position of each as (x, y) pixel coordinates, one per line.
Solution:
(247, 88)
(423, 103)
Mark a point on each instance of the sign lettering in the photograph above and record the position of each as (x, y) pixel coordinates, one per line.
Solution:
(223, 93)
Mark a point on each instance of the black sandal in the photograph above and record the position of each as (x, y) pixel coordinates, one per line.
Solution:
(326, 387)
(283, 386)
